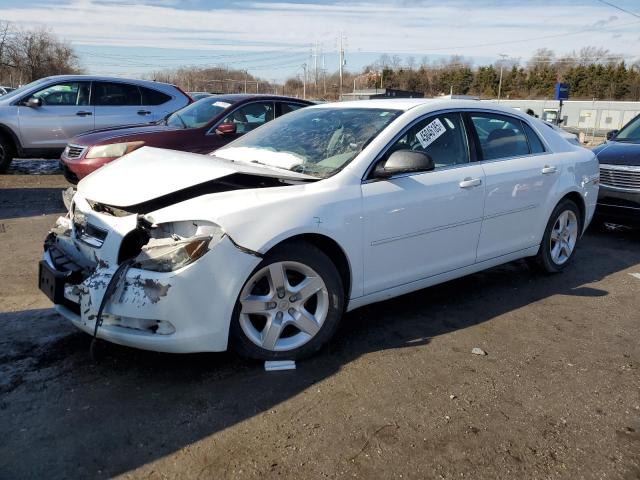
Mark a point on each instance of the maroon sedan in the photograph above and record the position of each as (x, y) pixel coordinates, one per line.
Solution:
(200, 127)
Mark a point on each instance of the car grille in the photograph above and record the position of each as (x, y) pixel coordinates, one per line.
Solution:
(74, 151)
(620, 177)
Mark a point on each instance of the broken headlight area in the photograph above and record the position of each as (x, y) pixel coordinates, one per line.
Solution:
(172, 246)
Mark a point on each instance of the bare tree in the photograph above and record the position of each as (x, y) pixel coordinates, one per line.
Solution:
(26, 55)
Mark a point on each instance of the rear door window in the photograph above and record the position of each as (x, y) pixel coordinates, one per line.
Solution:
(153, 97)
(500, 136)
(286, 107)
(535, 144)
(115, 94)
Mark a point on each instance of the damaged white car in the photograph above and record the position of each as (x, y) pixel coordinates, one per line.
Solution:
(265, 245)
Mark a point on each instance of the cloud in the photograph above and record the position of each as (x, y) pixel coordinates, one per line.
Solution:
(472, 28)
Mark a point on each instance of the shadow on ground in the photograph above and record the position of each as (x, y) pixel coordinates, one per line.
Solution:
(134, 406)
(34, 167)
(29, 202)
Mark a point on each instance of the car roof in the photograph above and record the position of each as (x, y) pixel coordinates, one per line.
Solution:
(405, 104)
(105, 78)
(239, 97)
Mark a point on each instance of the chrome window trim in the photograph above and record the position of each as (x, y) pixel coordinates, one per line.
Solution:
(548, 150)
(212, 130)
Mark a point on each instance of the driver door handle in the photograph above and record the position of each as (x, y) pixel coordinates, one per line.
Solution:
(470, 182)
(549, 169)
(82, 113)
(144, 112)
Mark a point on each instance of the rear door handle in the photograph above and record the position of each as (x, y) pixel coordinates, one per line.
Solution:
(83, 113)
(549, 169)
(144, 112)
(470, 182)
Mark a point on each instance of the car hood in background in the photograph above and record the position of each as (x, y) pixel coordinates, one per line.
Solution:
(149, 173)
(618, 153)
(130, 132)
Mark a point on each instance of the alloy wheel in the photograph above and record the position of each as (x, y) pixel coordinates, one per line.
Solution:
(283, 306)
(564, 236)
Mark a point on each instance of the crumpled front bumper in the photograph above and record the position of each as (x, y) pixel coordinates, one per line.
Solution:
(188, 310)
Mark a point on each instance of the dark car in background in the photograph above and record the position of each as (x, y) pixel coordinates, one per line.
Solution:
(619, 157)
(200, 127)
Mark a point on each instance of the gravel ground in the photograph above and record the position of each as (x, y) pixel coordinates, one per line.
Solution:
(397, 394)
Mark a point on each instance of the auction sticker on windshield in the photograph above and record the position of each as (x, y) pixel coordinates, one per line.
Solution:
(430, 133)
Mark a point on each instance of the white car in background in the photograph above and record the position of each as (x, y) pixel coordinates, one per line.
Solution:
(568, 136)
(265, 245)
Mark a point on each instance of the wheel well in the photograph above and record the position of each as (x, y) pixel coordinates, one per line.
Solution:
(330, 248)
(8, 133)
(576, 198)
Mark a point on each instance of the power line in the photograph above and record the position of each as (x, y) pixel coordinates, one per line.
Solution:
(619, 8)
(508, 42)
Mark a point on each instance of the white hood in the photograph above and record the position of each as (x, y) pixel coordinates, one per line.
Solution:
(149, 173)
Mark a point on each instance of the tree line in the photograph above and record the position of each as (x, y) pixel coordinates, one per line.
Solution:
(591, 73)
(26, 55)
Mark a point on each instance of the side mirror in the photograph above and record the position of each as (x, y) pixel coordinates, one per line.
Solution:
(404, 161)
(226, 129)
(611, 135)
(33, 102)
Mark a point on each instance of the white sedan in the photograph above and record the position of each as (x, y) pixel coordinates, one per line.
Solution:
(265, 245)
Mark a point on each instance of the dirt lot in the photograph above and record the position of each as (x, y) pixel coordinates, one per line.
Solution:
(397, 394)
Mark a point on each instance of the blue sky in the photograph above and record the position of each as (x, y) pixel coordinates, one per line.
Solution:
(273, 39)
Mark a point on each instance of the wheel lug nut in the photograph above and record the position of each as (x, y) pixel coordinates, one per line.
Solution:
(279, 315)
(293, 298)
(271, 305)
(280, 294)
(291, 311)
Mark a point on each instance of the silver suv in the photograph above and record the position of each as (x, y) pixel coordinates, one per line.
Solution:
(38, 119)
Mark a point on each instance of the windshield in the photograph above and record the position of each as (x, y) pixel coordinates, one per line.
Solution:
(317, 141)
(197, 114)
(630, 132)
(18, 91)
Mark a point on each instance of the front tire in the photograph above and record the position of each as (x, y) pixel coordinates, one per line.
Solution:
(560, 239)
(7, 152)
(290, 306)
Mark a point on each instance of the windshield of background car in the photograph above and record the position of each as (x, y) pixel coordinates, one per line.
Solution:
(316, 141)
(631, 132)
(24, 88)
(197, 114)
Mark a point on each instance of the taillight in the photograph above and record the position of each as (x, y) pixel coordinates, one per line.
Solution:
(184, 93)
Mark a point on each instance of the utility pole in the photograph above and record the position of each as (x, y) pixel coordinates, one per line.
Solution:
(304, 81)
(246, 74)
(315, 54)
(324, 77)
(342, 62)
(502, 58)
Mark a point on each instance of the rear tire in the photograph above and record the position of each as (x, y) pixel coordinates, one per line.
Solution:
(7, 151)
(291, 319)
(560, 239)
